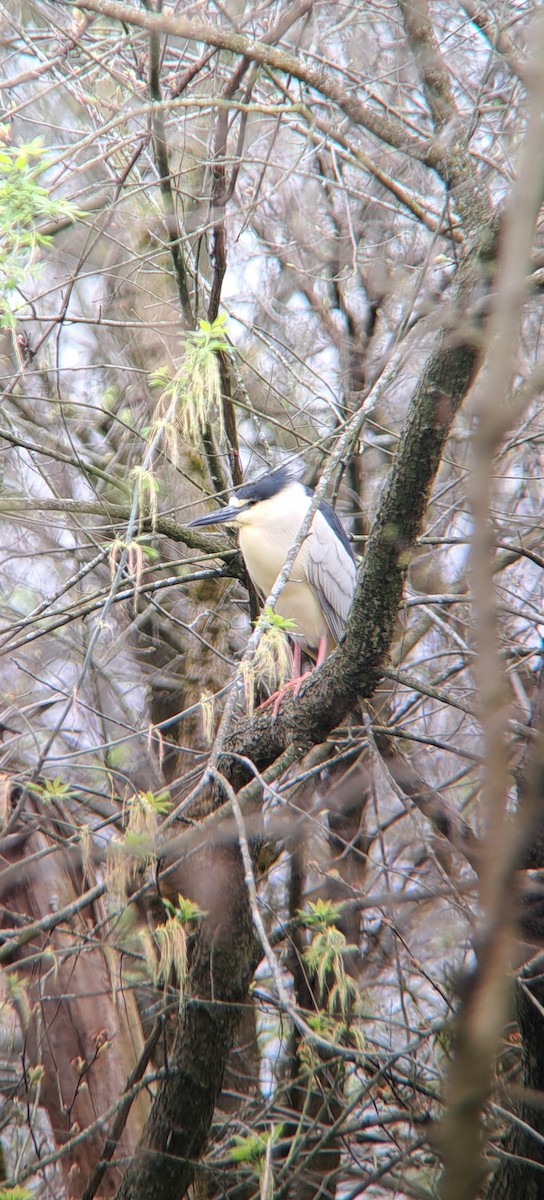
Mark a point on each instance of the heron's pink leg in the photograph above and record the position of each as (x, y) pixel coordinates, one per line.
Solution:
(322, 652)
(298, 679)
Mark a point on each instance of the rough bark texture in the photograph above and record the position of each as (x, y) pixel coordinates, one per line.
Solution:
(225, 958)
(354, 669)
(83, 1025)
(516, 1176)
(227, 954)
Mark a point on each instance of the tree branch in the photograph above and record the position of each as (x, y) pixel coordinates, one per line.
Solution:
(386, 128)
(354, 669)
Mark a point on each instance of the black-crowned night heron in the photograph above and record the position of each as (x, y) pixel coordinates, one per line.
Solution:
(317, 596)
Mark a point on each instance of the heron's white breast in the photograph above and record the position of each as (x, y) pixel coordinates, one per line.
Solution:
(267, 533)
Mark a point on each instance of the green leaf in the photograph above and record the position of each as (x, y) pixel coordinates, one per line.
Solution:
(52, 789)
(323, 913)
(185, 910)
(272, 620)
(250, 1149)
(159, 802)
(24, 202)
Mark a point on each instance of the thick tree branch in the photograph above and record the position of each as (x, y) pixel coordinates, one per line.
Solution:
(354, 669)
(499, 39)
(433, 74)
(385, 128)
(456, 165)
(439, 154)
(226, 956)
(119, 514)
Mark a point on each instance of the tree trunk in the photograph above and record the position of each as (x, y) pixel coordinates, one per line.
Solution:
(83, 1025)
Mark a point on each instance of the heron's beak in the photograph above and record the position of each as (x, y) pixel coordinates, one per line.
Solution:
(222, 516)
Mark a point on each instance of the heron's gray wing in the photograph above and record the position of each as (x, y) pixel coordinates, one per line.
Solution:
(332, 572)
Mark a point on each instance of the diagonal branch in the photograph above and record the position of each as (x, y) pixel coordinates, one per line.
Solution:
(456, 165)
(227, 952)
(354, 669)
(384, 127)
(433, 74)
(434, 152)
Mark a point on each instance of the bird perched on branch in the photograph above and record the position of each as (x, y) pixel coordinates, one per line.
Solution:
(317, 596)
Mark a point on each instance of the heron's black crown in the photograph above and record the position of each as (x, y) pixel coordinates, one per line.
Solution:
(275, 482)
(265, 487)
